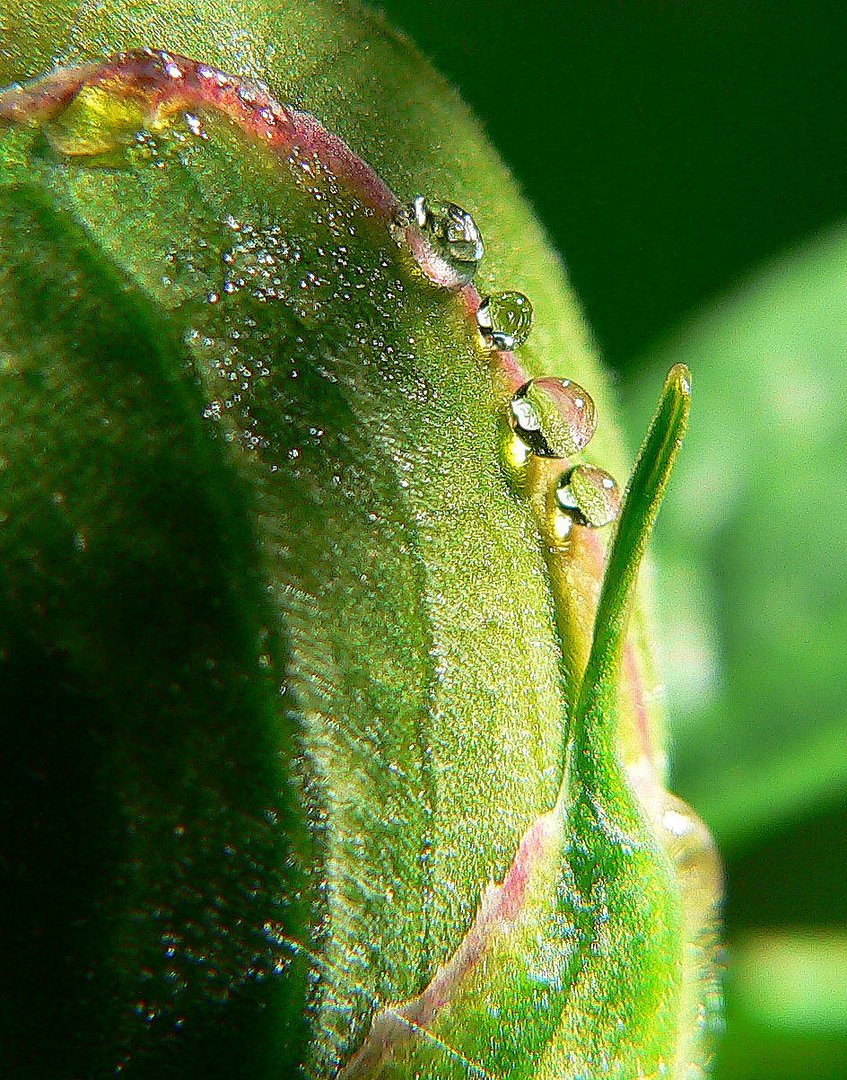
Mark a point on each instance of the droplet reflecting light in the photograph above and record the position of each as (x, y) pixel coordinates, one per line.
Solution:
(554, 417)
(505, 319)
(452, 233)
(589, 495)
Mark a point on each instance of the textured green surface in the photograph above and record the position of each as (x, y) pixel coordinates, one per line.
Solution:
(303, 672)
(584, 977)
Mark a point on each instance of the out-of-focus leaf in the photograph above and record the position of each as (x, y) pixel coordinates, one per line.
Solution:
(787, 1004)
(792, 980)
(753, 612)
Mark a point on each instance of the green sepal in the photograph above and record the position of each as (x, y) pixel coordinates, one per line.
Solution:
(595, 956)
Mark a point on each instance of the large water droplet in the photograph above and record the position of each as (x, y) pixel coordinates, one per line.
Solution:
(589, 495)
(453, 235)
(554, 417)
(505, 319)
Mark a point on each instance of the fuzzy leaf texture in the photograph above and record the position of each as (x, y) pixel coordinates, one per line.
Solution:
(315, 761)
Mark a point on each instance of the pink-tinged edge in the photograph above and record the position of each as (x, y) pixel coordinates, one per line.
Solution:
(169, 84)
(499, 910)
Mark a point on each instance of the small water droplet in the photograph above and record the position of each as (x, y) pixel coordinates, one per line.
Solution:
(452, 233)
(589, 495)
(554, 417)
(505, 319)
(682, 376)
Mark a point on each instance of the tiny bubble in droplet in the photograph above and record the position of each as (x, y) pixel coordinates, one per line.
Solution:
(194, 125)
(505, 319)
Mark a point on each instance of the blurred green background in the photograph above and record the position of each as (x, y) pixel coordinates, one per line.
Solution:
(689, 159)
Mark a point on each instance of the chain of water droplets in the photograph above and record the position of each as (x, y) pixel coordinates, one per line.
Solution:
(551, 417)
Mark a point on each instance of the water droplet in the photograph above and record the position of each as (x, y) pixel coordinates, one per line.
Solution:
(700, 878)
(505, 319)
(589, 495)
(554, 417)
(453, 235)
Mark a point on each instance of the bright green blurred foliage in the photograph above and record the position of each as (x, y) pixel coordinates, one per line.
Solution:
(753, 544)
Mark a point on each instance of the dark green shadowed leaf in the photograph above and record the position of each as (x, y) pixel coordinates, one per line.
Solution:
(137, 644)
(350, 402)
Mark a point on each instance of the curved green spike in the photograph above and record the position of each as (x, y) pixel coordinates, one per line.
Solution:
(643, 497)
